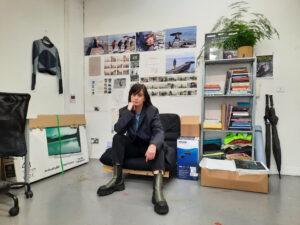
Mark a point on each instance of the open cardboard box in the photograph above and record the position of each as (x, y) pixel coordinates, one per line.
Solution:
(232, 180)
(219, 173)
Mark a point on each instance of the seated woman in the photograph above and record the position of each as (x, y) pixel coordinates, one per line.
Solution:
(144, 137)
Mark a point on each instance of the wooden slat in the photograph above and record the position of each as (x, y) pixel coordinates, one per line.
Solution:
(136, 172)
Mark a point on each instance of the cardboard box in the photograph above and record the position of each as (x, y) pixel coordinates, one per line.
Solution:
(188, 158)
(44, 151)
(232, 180)
(190, 126)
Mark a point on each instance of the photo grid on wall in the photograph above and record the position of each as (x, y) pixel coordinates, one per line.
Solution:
(122, 57)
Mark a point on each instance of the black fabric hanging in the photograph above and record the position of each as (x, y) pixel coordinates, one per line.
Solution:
(13, 112)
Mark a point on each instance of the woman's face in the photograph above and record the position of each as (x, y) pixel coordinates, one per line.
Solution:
(150, 40)
(138, 99)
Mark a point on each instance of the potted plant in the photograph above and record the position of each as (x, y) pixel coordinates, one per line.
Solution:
(244, 33)
(240, 34)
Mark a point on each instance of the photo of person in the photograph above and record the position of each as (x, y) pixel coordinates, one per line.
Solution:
(149, 41)
(180, 63)
(183, 37)
(97, 45)
(264, 66)
(229, 54)
(121, 43)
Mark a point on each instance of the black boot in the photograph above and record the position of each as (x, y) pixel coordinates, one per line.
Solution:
(160, 203)
(115, 184)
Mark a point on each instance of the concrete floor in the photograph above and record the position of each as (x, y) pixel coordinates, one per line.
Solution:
(71, 199)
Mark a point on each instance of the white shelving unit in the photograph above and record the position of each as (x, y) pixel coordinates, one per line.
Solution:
(212, 103)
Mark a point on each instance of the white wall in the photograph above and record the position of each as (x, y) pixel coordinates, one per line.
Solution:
(122, 16)
(22, 22)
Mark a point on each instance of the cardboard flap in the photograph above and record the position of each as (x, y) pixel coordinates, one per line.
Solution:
(190, 120)
(44, 121)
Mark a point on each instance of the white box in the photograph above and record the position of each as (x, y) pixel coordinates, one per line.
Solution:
(41, 165)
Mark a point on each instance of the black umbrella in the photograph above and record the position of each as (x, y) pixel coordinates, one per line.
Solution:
(268, 132)
(275, 139)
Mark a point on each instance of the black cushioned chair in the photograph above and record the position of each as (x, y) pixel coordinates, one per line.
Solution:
(13, 112)
(171, 125)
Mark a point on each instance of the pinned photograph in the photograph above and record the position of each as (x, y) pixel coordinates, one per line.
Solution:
(121, 43)
(150, 41)
(97, 45)
(120, 83)
(264, 66)
(180, 63)
(183, 37)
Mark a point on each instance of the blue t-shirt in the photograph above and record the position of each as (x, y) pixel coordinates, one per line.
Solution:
(137, 118)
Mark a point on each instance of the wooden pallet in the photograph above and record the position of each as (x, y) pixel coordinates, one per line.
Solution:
(136, 172)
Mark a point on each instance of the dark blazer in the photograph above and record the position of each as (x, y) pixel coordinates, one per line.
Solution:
(149, 129)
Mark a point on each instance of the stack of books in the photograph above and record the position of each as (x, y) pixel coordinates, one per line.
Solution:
(212, 89)
(240, 82)
(240, 117)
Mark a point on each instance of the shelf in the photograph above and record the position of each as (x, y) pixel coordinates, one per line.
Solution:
(227, 131)
(229, 61)
(218, 96)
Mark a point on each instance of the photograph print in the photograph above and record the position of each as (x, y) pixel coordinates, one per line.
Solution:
(180, 63)
(97, 45)
(121, 43)
(150, 41)
(264, 66)
(183, 37)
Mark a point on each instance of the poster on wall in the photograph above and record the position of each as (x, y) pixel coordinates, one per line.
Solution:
(97, 45)
(116, 65)
(69, 139)
(150, 41)
(180, 63)
(264, 66)
(94, 66)
(96, 86)
(121, 43)
(134, 67)
(119, 98)
(171, 85)
(153, 64)
(183, 37)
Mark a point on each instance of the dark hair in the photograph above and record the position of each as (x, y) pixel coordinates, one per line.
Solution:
(135, 89)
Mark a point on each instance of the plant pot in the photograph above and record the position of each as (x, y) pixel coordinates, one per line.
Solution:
(245, 52)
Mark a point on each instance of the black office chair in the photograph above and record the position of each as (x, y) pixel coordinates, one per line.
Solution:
(13, 112)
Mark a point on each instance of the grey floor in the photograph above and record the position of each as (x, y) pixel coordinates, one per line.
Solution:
(71, 199)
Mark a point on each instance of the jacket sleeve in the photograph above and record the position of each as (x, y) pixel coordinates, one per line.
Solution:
(58, 73)
(158, 135)
(35, 55)
(125, 116)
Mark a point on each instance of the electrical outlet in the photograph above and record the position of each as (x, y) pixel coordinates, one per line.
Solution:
(94, 140)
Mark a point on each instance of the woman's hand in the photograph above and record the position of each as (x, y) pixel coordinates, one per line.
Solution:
(150, 153)
(131, 107)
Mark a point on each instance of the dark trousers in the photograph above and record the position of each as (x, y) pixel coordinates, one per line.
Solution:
(123, 147)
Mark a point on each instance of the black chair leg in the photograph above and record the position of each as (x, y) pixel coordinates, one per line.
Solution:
(14, 210)
(28, 192)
